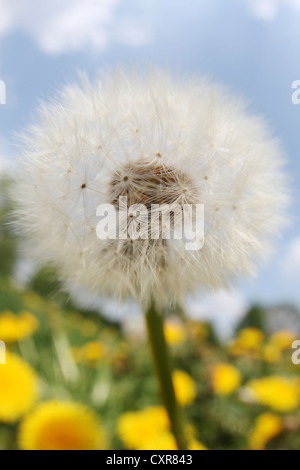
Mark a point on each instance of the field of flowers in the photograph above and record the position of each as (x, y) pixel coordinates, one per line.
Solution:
(73, 380)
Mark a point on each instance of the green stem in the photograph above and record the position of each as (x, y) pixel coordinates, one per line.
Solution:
(163, 369)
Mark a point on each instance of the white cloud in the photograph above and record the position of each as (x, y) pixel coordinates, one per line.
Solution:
(264, 9)
(291, 260)
(130, 31)
(59, 26)
(6, 17)
(224, 309)
(269, 9)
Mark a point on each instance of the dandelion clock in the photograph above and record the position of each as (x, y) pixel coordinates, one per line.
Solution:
(144, 186)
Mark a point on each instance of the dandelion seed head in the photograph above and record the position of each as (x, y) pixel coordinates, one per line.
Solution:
(155, 140)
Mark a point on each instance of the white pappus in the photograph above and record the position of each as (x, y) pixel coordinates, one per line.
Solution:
(155, 139)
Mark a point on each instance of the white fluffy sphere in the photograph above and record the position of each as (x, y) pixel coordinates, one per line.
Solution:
(154, 139)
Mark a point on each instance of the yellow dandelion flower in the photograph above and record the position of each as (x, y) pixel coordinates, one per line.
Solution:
(93, 351)
(185, 387)
(250, 338)
(166, 441)
(279, 393)
(225, 378)
(271, 353)
(160, 441)
(58, 425)
(137, 427)
(196, 445)
(17, 327)
(283, 339)
(247, 342)
(267, 426)
(175, 332)
(90, 353)
(18, 389)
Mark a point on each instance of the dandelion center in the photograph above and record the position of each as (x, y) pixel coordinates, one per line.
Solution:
(148, 183)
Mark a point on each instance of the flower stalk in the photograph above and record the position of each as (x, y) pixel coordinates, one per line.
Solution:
(163, 368)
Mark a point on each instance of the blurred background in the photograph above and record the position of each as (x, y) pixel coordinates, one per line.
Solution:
(224, 342)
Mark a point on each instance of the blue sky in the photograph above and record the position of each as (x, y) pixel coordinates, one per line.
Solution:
(250, 45)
